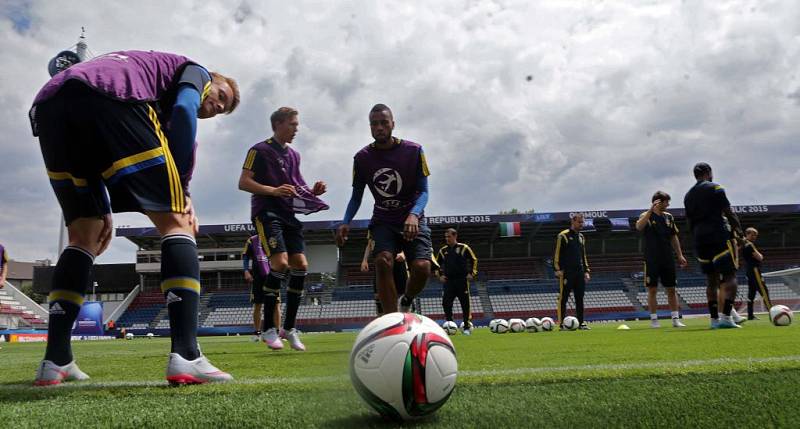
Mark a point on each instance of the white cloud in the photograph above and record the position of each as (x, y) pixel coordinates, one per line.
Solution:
(552, 106)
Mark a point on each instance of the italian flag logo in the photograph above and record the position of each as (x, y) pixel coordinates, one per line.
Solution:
(510, 229)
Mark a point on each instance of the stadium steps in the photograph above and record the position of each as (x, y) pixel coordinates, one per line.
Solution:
(204, 308)
(483, 293)
(632, 291)
(162, 314)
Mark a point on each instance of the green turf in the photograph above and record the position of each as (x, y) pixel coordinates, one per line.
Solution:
(690, 377)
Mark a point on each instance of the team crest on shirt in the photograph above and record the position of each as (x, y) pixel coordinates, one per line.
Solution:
(273, 242)
(387, 182)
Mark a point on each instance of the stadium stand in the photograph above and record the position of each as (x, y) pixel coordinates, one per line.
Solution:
(17, 314)
(515, 277)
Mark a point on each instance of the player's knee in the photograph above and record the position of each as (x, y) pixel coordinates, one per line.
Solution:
(279, 264)
(384, 260)
(420, 266)
(171, 223)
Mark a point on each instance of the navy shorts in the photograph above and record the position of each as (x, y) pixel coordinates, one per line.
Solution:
(389, 238)
(279, 235)
(659, 270)
(719, 257)
(105, 155)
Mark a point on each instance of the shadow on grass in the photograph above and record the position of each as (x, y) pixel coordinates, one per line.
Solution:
(371, 420)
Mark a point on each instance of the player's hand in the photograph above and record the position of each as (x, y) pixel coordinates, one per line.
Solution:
(401, 257)
(319, 188)
(470, 277)
(106, 233)
(682, 262)
(248, 277)
(656, 204)
(587, 277)
(411, 227)
(284, 191)
(193, 222)
(443, 279)
(559, 274)
(341, 234)
(364, 266)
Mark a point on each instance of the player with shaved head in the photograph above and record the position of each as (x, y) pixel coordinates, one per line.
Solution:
(396, 172)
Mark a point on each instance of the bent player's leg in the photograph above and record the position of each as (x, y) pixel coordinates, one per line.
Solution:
(279, 263)
(180, 283)
(71, 279)
(419, 272)
(384, 265)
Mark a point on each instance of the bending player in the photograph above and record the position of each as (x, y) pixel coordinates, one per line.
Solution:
(271, 173)
(396, 173)
(99, 125)
(256, 277)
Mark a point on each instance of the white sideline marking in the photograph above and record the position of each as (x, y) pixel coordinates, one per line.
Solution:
(461, 374)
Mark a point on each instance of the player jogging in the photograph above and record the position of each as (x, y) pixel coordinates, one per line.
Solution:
(755, 283)
(396, 173)
(256, 277)
(458, 265)
(125, 123)
(572, 269)
(399, 272)
(660, 240)
(271, 173)
(707, 208)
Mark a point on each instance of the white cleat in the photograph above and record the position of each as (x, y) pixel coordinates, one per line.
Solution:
(255, 338)
(198, 371)
(467, 332)
(294, 340)
(655, 323)
(50, 374)
(676, 323)
(272, 339)
(737, 319)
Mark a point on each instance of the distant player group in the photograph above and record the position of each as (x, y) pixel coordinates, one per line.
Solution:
(117, 134)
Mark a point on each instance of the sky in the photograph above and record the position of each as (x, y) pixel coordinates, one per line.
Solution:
(551, 106)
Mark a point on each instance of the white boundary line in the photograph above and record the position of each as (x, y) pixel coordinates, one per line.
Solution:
(462, 374)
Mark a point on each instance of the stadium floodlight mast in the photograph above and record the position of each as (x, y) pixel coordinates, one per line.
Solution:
(60, 62)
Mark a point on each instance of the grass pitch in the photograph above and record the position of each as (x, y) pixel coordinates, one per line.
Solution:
(689, 377)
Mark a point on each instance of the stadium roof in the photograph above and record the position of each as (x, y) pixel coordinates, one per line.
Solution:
(473, 227)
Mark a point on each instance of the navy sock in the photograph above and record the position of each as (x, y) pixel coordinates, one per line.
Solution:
(180, 282)
(727, 306)
(272, 290)
(70, 280)
(294, 293)
(713, 309)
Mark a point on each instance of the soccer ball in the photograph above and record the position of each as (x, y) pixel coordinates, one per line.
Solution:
(469, 326)
(516, 325)
(570, 323)
(547, 324)
(150, 335)
(533, 325)
(498, 326)
(450, 327)
(129, 336)
(781, 315)
(403, 366)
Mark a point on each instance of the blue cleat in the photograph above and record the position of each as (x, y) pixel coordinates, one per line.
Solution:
(727, 324)
(714, 323)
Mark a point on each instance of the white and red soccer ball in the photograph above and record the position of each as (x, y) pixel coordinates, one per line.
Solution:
(403, 365)
(781, 315)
